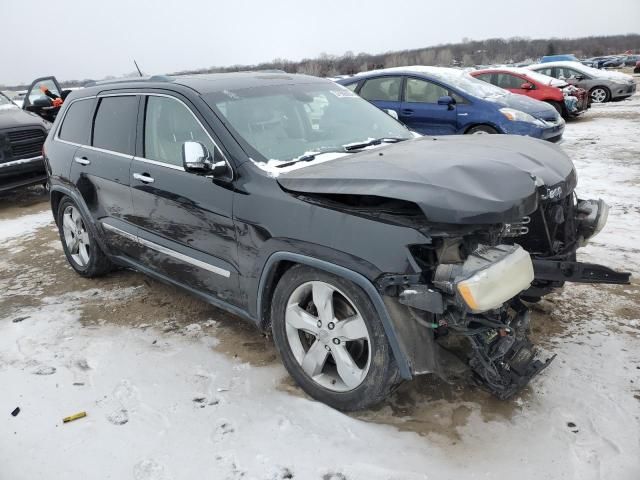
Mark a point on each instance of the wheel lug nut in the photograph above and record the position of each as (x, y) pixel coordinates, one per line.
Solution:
(336, 341)
(328, 348)
(331, 325)
(319, 324)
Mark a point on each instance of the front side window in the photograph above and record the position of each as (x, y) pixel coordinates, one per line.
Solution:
(285, 122)
(382, 88)
(76, 125)
(422, 91)
(168, 124)
(114, 127)
(506, 80)
(486, 77)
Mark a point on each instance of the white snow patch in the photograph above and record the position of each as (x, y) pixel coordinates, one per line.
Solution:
(24, 226)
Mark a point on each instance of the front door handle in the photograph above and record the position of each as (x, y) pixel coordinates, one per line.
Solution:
(407, 111)
(82, 160)
(143, 177)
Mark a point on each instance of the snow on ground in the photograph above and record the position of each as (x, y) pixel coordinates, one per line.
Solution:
(166, 397)
(18, 228)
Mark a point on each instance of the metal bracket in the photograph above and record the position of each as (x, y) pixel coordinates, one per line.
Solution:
(578, 272)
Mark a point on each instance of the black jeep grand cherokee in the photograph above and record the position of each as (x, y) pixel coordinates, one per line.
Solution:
(288, 200)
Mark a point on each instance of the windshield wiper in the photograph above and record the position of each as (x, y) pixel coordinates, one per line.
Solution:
(377, 141)
(312, 156)
(350, 148)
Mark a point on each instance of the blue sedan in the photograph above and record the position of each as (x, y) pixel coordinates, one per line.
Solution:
(444, 101)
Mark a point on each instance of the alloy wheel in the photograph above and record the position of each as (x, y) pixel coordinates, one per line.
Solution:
(327, 336)
(76, 236)
(598, 95)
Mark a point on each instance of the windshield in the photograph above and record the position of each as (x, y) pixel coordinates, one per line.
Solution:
(473, 86)
(288, 122)
(5, 102)
(541, 78)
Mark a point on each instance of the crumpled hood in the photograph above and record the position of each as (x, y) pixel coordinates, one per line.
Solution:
(475, 179)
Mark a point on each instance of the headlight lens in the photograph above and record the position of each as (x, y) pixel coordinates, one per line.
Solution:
(519, 116)
(592, 217)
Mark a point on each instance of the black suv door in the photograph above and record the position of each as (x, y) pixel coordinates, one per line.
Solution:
(185, 221)
(100, 166)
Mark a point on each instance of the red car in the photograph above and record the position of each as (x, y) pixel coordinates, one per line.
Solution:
(568, 100)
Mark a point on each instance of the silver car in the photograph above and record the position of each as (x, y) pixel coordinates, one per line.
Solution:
(602, 85)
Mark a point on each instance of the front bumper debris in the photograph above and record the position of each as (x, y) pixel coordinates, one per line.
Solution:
(579, 272)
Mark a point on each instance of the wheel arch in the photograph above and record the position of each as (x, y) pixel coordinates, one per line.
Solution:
(279, 262)
(483, 124)
(58, 193)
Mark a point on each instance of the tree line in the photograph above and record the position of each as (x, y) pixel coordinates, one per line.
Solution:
(464, 54)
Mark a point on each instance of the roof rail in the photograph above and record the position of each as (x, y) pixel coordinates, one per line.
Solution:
(152, 78)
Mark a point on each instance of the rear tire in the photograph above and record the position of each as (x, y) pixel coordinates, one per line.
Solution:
(80, 247)
(481, 130)
(348, 368)
(600, 94)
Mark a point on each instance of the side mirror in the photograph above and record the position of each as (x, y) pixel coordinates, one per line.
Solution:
(196, 158)
(42, 102)
(391, 113)
(526, 86)
(446, 100)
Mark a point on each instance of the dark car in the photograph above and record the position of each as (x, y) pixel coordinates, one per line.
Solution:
(22, 135)
(371, 256)
(443, 101)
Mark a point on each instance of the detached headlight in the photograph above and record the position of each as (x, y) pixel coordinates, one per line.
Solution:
(489, 277)
(520, 116)
(592, 217)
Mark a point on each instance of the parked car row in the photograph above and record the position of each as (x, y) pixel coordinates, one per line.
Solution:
(441, 101)
(371, 254)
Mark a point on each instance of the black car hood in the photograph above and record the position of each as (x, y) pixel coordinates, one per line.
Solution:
(475, 179)
(16, 117)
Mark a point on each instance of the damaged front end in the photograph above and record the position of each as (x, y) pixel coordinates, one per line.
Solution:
(552, 234)
(477, 324)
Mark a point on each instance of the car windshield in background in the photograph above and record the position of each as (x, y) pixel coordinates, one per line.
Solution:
(5, 102)
(475, 87)
(288, 122)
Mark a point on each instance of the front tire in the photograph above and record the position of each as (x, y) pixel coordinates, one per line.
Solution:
(481, 130)
(331, 340)
(80, 247)
(600, 94)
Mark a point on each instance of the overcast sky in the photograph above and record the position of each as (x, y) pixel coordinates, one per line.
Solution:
(77, 39)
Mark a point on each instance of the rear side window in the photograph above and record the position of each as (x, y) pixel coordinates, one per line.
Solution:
(114, 127)
(383, 88)
(76, 126)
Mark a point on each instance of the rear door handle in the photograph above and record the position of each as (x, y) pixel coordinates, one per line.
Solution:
(82, 160)
(143, 177)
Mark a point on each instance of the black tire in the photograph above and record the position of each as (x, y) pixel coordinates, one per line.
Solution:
(600, 94)
(479, 129)
(98, 263)
(382, 376)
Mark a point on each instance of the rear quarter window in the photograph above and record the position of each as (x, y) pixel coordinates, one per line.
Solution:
(76, 126)
(114, 127)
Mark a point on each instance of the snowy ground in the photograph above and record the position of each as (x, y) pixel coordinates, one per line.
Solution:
(175, 389)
